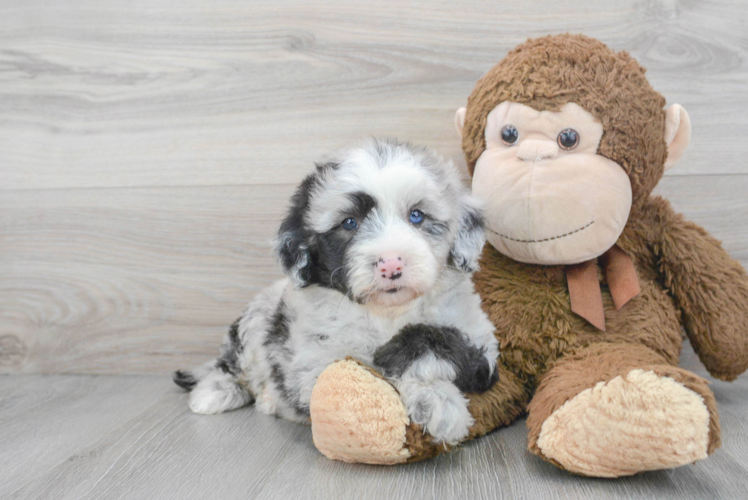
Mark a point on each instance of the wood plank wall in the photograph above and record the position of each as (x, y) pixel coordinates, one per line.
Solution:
(147, 148)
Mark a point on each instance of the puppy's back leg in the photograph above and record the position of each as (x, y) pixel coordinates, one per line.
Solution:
(218, 392)
(214, 387)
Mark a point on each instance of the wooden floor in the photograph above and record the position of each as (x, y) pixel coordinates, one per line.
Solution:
(107, 437)
(147, 151)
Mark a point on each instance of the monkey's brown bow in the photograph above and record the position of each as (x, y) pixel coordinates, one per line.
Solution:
(584, 286)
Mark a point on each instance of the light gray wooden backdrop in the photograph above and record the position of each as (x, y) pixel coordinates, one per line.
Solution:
(147, 148)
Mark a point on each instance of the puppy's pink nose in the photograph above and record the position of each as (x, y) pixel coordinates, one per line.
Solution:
(390, 267)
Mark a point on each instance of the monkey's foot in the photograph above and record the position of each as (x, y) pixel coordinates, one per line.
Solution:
(637, 422)
(357, 416)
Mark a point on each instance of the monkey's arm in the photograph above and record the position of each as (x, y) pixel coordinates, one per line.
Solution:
(710, 289)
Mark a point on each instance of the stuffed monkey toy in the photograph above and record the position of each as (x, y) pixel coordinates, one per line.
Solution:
(588, 278)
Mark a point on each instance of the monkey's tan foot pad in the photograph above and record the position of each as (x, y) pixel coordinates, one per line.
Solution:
(629, 424)
(357, 416)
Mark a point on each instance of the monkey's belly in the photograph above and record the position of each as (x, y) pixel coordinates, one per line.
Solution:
(535, 324)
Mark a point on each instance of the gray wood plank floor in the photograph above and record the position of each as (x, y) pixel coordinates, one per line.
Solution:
(111, 437)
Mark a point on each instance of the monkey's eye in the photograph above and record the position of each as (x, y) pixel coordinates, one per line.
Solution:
(509, 135)
(350, 224)
(416, 217)
(568, 139)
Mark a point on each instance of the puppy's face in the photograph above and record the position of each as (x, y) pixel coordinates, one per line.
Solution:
(380, 223)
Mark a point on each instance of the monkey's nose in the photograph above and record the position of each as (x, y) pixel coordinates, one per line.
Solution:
(536, 150)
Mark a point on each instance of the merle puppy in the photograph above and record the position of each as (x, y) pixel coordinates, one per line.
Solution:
(378, 247)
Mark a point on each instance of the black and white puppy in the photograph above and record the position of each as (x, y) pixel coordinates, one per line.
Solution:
(379, 246)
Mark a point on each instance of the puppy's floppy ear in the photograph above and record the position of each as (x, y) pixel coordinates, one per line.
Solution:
(471, 236)
(292, 244)
(295, 257)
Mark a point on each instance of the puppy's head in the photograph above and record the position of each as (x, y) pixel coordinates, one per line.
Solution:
(381, 223)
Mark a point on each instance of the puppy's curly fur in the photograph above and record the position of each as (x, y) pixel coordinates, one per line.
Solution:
(378, 247)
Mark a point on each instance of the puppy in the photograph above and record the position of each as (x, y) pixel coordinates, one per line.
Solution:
(378, 246)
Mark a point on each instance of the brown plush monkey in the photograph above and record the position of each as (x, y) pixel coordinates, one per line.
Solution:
(588, 278)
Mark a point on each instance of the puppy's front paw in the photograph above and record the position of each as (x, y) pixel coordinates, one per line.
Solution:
(439, 407)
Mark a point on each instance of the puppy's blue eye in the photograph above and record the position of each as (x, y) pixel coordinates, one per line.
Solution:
(416, 217)
(350, 224)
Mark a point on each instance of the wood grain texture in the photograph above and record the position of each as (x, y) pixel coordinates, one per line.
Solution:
(146, 280)
(147, 152)
(89, 437)
(109, 94)
(130, 280)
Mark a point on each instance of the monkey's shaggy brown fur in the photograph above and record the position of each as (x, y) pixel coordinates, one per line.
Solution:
(549, 355)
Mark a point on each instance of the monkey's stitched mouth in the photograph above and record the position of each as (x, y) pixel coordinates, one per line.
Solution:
(545, 239)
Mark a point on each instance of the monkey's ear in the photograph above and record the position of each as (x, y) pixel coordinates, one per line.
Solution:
(677, 134)
(470, 238)
(460, 120)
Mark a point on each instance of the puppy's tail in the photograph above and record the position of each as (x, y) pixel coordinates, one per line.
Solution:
(184, 379)
(188, 379)
(214, 387)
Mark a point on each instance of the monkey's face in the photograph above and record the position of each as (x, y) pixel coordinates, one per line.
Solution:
(549, 197)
